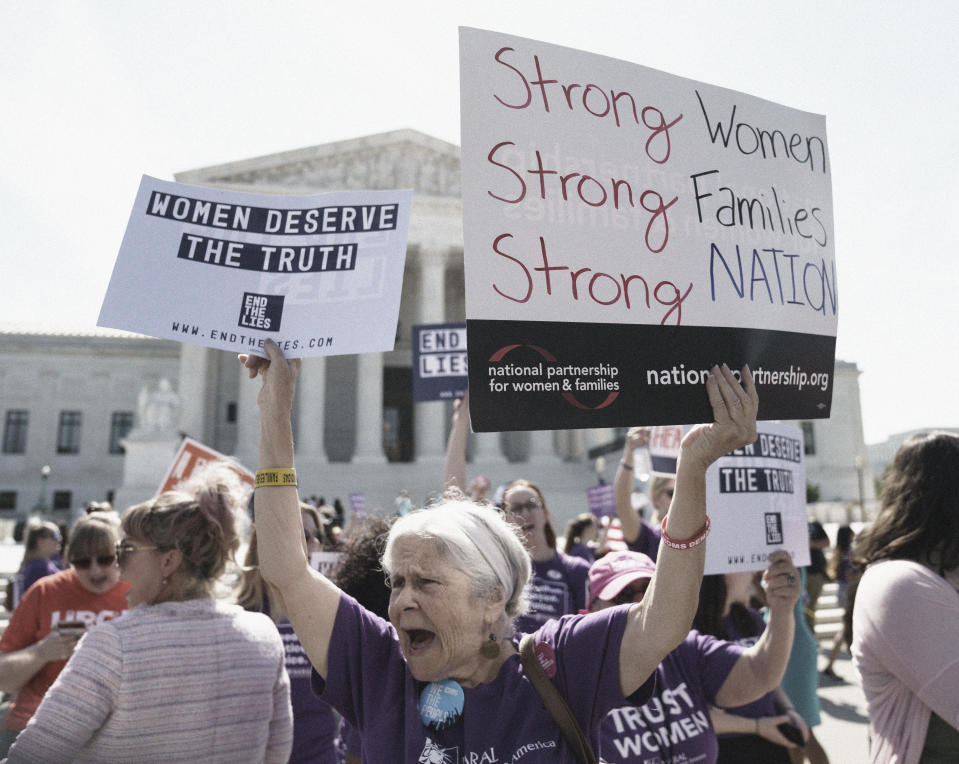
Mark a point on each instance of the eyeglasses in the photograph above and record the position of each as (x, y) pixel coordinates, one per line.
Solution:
(84, 563)
(54, 536)
(125, 548)
(530, 506)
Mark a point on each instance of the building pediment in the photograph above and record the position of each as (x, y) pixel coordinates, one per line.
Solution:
(398, 159)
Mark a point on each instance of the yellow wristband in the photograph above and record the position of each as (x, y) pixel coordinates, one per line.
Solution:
(283, 476)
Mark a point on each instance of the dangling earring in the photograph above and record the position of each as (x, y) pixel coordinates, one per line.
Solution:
(490, 648)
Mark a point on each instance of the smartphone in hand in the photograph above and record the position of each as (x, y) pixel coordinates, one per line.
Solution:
(71, 628)
(791, 732)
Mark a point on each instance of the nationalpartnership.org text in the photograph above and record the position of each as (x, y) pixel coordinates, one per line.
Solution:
(794, 376)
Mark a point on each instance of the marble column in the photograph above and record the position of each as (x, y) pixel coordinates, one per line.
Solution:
(369, 410)
(486, 449)
(195, 362)
(247, 421)
(429, 418)
(311, 411)
(541, 446)
(573, 445)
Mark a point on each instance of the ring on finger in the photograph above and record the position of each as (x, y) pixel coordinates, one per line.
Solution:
(790, 578)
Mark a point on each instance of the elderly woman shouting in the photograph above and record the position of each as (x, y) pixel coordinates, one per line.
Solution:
(442, 680)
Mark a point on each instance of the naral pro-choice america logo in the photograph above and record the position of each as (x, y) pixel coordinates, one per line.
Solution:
(261, 311)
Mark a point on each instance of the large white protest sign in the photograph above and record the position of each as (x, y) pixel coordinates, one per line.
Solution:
(756, 500)
(319, 274)
(626, 229)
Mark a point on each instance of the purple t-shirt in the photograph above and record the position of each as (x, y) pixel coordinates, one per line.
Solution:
(583, 552)
(673, 726)
(503, 721)
(315, 726)
(33, 571)
(350, 739)
(647, 540)
(766, 705)
(557, 588)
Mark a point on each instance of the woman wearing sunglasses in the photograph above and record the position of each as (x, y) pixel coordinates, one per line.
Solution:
(181, 676)
(53, 613)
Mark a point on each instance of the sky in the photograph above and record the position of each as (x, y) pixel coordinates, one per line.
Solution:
(95, 94)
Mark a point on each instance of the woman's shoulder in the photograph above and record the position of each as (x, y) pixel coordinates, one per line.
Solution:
(39, 564)
(199, 610)
(350, 614)
(571, 563)
(250, 618)
(584, 630)
(894, 584)
(200, 617)
(888, 573)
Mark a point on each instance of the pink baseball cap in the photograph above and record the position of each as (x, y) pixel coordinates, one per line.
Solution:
(612, 573)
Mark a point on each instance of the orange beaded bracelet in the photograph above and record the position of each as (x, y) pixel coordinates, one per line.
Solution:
(696, 540)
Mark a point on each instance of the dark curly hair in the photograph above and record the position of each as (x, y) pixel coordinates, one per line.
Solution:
(919, 508)
(575, 529)
(709, 615)
(358, 571)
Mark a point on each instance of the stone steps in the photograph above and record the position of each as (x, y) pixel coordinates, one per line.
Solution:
(829, 613)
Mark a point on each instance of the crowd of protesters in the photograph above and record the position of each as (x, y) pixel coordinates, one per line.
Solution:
(469, 628)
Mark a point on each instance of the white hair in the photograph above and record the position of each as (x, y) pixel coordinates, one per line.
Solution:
(477, 540)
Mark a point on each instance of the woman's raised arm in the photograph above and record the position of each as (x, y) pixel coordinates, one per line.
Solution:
(454, 467)
(662, 620)
(761, 667)
(623, 484)
(310, 599)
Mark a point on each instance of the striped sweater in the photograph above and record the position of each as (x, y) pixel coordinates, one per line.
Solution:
(179, 681)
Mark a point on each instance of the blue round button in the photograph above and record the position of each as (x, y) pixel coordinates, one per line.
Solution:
(441, 704)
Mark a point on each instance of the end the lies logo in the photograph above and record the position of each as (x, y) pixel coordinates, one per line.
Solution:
(774, 528)
(261, 311)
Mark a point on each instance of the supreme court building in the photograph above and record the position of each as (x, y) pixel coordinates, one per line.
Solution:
(357, 429)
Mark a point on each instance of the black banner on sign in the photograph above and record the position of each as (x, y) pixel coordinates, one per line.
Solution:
(267, 258)
(527, 375)
(292, 222)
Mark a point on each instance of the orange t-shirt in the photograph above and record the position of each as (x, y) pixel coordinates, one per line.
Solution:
(52, 600)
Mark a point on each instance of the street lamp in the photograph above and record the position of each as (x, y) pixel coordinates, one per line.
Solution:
(860, 468)
(41, 506)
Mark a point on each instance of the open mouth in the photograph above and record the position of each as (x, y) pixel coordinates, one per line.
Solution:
(420, 640)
